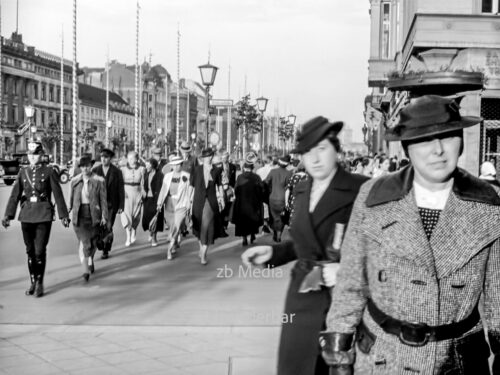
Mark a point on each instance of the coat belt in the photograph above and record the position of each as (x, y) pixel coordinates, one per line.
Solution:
(419, 334)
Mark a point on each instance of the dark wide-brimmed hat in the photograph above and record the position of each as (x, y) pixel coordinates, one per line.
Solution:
(35, 148)
(206, 153)
(107, 153)
(314, 131)
(429, 115)
(85, 160)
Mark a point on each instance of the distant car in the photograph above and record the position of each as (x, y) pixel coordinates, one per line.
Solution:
(61, 171)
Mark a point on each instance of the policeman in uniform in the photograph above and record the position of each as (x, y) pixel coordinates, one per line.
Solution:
(33, 188)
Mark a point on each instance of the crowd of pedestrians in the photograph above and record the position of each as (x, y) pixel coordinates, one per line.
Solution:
(394, 259)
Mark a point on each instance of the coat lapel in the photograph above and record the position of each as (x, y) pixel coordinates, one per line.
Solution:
(302, 215)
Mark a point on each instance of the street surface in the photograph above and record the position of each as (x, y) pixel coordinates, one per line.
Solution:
(139, 313)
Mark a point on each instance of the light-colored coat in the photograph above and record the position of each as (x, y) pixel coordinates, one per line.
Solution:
(97, 198)
(387, 257)
(184, 194)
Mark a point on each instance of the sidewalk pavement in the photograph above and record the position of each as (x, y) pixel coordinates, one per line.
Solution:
(150, 350)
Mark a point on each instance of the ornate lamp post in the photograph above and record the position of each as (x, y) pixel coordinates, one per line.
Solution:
(261, 106)
(208, 73)
(109, 124)
(29, 110)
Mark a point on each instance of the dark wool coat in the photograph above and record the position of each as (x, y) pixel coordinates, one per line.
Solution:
(150, 204)
(40, 182)
(115, 190)
(248, 210)
(312, 234)
(201, 193)
(387, 257)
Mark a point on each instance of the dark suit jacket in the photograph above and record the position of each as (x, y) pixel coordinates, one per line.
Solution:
(201, 193)
(115, 188)
(155, 183)
(312, 235)
(40, 182)
(231, 175)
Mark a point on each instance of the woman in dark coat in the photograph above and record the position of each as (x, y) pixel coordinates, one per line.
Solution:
(322, 205)
(208, 198)
(248, 210)
(153, 180)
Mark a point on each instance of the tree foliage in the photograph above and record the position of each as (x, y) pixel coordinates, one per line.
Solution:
(247, 116)
(51, 136)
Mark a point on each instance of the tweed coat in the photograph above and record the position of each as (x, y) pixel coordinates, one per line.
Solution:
(97, 198)
(386, 257)
(312, 234)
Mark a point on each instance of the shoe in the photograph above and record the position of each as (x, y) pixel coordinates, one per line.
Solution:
(105, 255)
(132, 237)
(91, 268)
(127, 243)
(245, 241)
(150, 238)
(252, 238)
(173, 251)
(86, 277)
(203, 256)
(265, 229)
(39, 289)
(31, 290)
(154, 243)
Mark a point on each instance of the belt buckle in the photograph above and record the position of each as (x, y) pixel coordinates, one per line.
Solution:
(414, 334)
(33, 199)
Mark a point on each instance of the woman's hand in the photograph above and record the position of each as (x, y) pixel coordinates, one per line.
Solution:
(103, 221)
(257, 255)
(329, 273)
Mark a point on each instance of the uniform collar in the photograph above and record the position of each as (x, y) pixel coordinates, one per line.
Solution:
(396, 186)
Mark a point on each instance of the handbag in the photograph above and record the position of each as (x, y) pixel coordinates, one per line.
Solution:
(285, 216)
(153, 222)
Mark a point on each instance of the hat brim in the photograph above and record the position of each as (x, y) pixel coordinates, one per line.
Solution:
(186, 149)
(406, 134)
(175, 162)
(312, 138)
(108, 153)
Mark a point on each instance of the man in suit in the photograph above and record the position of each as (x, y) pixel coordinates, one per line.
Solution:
(115, 194)
(33, 189)
(422, 249)
(156, 154)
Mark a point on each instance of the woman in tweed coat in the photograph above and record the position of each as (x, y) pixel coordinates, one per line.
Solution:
(422, 247)
(323, 203)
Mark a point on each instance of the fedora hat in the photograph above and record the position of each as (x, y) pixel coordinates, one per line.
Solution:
(206, 153)
(313, 131)
(185, 146)
(284, 160)
(156, 150)
(175, 160)
(107, 152)
(429, 115)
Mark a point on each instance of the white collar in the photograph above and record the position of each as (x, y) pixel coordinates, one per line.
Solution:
(435, 200)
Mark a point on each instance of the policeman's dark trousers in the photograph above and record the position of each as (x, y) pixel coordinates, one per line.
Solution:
(36, 236)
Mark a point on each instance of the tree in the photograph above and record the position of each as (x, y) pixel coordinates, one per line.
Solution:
(50, 137)
(147, 140)
(248, 117)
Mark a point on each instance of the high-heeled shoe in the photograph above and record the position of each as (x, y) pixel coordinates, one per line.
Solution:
(203, 255)
(245, 241)
(86, 277)
(252, 238)
(132, 236)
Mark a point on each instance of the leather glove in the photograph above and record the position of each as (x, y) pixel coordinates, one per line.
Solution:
(5, 222)
(65, 221)
(338, 352)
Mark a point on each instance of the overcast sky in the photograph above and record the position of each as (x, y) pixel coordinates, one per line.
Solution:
(309, 57)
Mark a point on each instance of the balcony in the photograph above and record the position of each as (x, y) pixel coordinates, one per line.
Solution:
(451, 31)
(378, 71)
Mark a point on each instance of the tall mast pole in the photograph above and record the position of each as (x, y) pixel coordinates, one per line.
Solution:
(229, 110)
(107, 99)
(187, 115)
(61, 98)
(177, 110)
(136, 109)
(2, 139)
(74, 99)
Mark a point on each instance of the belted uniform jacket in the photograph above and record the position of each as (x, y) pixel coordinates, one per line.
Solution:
(97, 198)
(33, 189)
(386, 257)
(312, 235)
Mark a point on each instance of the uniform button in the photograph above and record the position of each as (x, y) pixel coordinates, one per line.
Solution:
(382, 276)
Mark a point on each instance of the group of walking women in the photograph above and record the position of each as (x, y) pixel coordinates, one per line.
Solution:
(420, 257)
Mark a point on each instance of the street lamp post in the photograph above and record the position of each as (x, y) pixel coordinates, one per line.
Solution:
(261, 106)
(29, 110)
(208, 73)
(109, 124)
(291, 121)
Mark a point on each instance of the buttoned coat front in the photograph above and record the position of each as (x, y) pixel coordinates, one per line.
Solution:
(386, 257)
(312, 236)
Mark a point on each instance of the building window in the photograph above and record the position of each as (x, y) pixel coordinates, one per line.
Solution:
(386, 29)
(35, 90)
(150, 97)
(42, 118)
(65, 96)
(44, 94)
(51, 93)
(58, 99)
(490, 6)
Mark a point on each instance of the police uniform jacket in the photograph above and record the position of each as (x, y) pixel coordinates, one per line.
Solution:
(387, 257)
(312, 236)
(33, 188)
